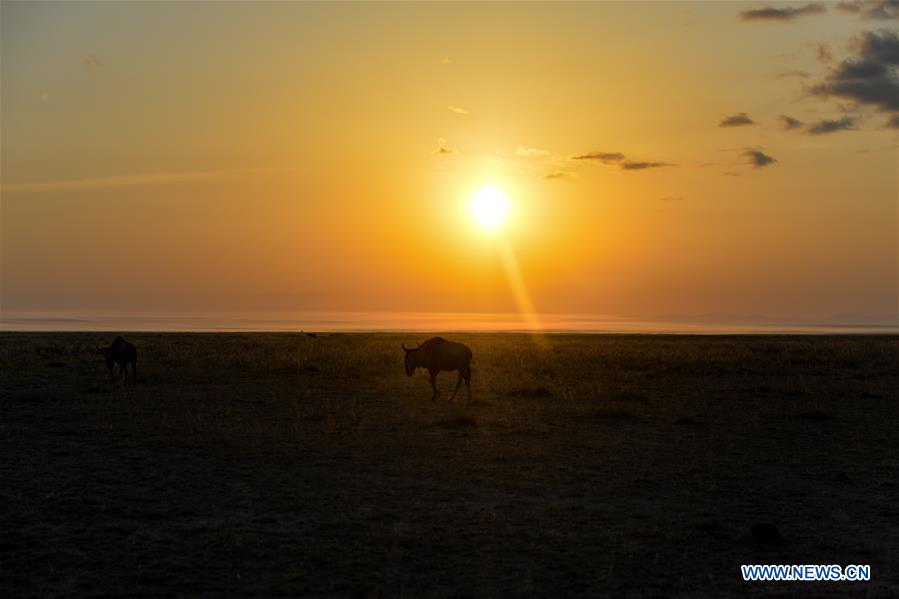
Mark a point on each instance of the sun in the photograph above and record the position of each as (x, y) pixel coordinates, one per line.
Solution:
(489, 207)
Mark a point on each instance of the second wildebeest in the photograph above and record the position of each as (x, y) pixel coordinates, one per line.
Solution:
(438, 354)
(122, 353)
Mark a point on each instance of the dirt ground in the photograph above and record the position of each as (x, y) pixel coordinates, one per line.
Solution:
(586, 465)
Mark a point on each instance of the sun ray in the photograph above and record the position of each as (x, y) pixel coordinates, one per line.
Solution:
(519, 290)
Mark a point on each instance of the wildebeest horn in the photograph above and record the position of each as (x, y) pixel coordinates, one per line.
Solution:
(410, 348)
(99, 349)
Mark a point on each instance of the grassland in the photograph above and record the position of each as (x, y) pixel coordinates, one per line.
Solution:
(286, 465)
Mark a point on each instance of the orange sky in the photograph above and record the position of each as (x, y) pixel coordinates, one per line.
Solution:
(291, 156)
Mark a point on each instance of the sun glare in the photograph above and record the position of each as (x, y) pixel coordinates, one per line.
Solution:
(489, 207)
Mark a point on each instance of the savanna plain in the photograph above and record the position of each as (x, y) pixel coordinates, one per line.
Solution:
(585, 465)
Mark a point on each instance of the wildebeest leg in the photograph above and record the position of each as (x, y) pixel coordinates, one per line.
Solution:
(458, 384)
(134, 369)
(468, 381)
(434, 384)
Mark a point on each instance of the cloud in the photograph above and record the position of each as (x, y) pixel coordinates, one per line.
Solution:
(132, 180)
(853, 8)
(530, 152)
(884, 9)
(556, 175)
(892, 122)
(830, 126)
(758, 159)
(770, 13)
(881, 46)
(604, 157)
(91, 62)
(787, 122)
(869, 77)
(871, 9)
(442, 149)
(736, 120)
(800, 74)
(823, 53)
(619, 159)
(639, 166)
(457, 110)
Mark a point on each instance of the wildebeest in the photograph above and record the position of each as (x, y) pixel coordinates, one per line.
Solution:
(122, 353)
(437, 354)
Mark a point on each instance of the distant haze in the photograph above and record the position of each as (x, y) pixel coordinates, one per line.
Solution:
(427, 322)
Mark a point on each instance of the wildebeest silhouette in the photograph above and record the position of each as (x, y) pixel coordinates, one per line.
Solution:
(122, 353)
(437, 354)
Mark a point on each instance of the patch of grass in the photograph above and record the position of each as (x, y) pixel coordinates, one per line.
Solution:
(607, 413)
(816, 415)
(205, 466)
(457, 422)
(765, 533)
(630, 396)
(530, 392)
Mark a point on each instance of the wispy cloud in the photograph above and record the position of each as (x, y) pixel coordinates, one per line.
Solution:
(556, 175)
(758, 159)
(871, 9)
(788, 123)
(831, 126)
(794, 73)
(823, 53)
(604, 157)
(639, 166)
(737, 120)
(619, 159)
(442, 148)
(882, 9)
(457, 110)
(91, 63)
(852, 8)
(782, 14)
(131, 180)
(530, 152)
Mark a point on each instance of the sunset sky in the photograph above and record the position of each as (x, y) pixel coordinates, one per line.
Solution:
(658, 159)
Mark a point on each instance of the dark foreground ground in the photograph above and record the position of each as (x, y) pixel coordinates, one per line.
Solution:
(287, 465)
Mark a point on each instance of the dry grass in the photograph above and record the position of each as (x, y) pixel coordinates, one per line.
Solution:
(293, 465)
(608, 413)
(457, 422)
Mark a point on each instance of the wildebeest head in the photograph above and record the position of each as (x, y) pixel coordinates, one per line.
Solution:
(410, 359)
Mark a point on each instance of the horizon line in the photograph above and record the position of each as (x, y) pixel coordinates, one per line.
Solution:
(420, 322)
